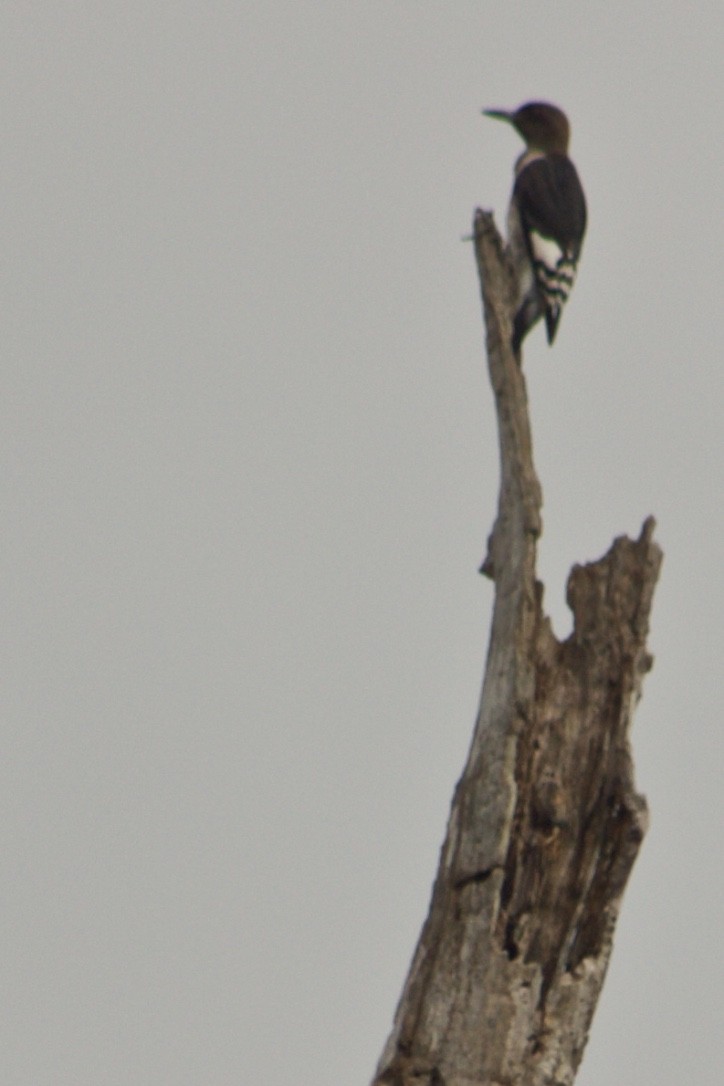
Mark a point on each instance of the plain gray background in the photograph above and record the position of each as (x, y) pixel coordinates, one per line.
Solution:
(249, 464)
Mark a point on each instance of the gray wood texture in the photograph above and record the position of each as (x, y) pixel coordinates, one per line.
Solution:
(545, 822)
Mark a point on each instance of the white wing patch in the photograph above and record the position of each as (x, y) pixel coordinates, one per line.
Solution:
(546, 250)
(555, 269)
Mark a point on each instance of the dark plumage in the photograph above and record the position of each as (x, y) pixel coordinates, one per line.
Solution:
(547, 217)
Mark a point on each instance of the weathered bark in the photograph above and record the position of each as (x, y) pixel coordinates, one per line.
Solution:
(545, 822)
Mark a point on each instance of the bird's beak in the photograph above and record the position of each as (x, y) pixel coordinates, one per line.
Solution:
(498, 114)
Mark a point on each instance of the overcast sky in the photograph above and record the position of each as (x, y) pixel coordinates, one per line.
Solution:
(249, 466)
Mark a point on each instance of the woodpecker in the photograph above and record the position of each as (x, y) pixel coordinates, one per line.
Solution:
(546, 219)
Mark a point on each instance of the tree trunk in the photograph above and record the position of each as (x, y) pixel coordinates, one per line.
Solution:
(545, 822)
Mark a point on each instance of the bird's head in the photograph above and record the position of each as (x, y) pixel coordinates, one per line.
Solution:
(543, 126)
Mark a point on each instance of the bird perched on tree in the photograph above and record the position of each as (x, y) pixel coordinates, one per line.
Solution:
(546, 219)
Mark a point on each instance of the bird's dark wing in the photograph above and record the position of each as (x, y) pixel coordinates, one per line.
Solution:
(551, 201)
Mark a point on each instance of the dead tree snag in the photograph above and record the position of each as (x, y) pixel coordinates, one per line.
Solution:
(545, 822)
